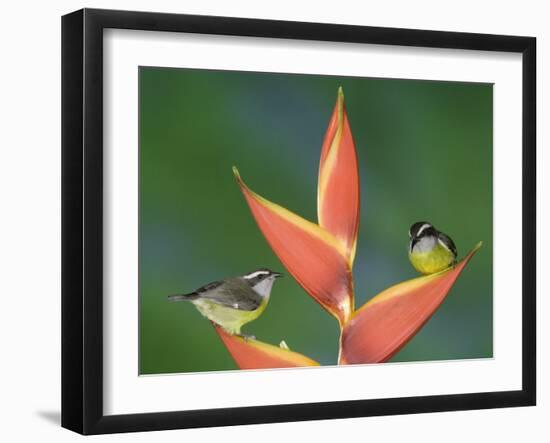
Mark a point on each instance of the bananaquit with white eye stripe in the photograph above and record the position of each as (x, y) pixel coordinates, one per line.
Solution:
(430, 250)
(235, 301)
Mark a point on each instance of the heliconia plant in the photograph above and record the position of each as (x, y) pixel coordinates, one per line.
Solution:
(320, 258)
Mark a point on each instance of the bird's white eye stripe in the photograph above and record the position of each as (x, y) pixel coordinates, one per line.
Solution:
(424, 226)
(256, 274)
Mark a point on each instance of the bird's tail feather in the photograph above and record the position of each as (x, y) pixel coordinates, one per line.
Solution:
(183, 297)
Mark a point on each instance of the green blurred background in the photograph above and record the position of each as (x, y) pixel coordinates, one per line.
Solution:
(425, 153)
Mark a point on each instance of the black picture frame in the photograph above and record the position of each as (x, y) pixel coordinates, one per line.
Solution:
(82, 220)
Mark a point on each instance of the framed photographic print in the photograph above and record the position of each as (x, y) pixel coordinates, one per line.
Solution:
(270, 221)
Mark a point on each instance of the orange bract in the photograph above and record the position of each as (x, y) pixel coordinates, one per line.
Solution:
(253, 354)
(338, 188)
(312, 255)
(387, 322)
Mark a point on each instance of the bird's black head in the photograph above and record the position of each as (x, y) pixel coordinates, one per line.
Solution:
(421, 229)
(261, 274)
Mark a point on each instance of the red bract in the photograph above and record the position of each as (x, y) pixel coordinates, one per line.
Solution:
(380, 328)
(253, 354)
(312, 255)
(320, 258)
(338, 188)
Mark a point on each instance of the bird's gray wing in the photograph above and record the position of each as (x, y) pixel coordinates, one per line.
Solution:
(448, 243)
(197, 293)
(208, 287)
(234, 293)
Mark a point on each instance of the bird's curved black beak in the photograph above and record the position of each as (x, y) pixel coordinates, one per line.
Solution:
(277, 274)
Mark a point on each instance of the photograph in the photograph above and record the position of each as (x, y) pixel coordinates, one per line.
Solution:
(297, 220)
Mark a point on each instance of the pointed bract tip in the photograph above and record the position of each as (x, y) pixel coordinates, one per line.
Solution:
(236, 173)
(340, 104)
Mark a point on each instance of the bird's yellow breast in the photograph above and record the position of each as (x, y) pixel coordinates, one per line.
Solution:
(434, 260)
(230, 319)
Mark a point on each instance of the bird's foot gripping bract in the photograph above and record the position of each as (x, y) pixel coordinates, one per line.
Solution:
(247, 337)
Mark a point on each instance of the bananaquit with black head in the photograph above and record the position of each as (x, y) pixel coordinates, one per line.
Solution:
(430, 250)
